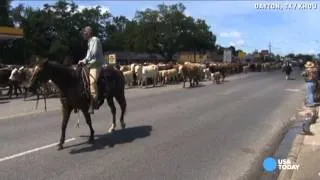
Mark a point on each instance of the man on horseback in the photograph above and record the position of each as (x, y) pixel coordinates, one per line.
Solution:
(94, 60)
(287, 69)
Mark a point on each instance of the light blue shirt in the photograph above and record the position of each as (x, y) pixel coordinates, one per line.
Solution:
(95, 57)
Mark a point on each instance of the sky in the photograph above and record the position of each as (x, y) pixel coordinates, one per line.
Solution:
(237, 23)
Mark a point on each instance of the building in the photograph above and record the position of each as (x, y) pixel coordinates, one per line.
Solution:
(132, 57)
(264, 53)
(190, 56)
(10, 33)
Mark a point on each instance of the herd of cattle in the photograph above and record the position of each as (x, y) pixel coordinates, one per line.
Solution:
(16, 78)
(138, 74)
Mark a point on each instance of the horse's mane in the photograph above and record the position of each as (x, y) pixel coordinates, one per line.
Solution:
(62, 68)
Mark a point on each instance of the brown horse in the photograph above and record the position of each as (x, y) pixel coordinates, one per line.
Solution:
(74, 92)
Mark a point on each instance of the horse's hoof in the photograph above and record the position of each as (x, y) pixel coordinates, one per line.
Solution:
(123, 125)
(60, 147)
(111, 130)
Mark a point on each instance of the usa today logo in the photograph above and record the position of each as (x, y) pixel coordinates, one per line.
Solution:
(270, 164)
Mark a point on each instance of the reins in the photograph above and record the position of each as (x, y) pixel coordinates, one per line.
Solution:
(45, 101)
(84, 75)
(85, 80)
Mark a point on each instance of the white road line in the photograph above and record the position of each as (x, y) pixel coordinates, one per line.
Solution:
(33, 150)
(293, 90)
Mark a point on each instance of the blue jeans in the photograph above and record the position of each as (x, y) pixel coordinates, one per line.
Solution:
(311, 90)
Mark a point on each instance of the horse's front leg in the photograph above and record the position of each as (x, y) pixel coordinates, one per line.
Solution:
(113, 111)
(89, 122)
(65, 119)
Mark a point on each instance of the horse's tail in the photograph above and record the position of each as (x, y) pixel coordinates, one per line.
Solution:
(124, 99)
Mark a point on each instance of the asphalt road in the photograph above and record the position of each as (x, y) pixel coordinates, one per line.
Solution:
(207, 133)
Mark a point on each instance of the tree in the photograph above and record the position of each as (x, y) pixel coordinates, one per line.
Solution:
(54, 31)
(291, 55)
(4, 13)
(167, 31)
(233, 50)
(117, 34)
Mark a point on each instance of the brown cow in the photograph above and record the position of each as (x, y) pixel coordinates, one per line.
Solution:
(191, 72)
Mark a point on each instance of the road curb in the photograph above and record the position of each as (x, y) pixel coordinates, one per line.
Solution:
(294, 152)
(293, 156)
(256, 170)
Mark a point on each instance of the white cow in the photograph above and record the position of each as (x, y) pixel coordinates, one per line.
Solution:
(216, 77)
(124, 68)
(138, 71)
(246, 69)
(207, 73)
(172, 75)
(163, 76)
(150, 71)
(128, 76)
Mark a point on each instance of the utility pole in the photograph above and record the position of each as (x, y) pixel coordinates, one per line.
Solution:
(270, 48)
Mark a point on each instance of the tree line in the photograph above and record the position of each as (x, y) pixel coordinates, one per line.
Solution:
(305, 57)
(54, 31)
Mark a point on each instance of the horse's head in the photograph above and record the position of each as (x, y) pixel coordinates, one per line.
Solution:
(40, 75)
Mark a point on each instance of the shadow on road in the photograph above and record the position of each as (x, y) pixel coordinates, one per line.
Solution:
(193, 87)
(118, 137)
(150, 87)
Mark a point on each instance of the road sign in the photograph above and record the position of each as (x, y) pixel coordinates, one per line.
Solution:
(227, 55)
(112, 59)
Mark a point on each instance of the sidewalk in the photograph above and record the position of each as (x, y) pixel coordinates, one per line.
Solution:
(308, 155)
(18, 107)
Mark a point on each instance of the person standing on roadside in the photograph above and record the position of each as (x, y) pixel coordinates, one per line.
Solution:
(311, 78)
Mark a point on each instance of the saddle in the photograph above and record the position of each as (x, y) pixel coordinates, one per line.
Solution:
(84, 75)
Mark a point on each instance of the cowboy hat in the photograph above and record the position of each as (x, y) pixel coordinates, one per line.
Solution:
(309, 64)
